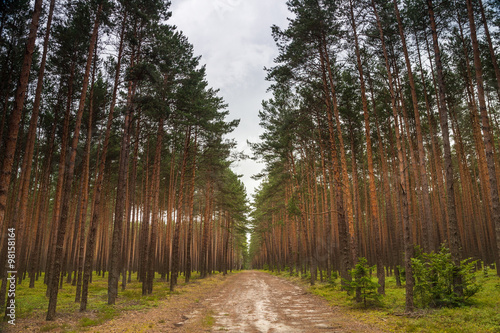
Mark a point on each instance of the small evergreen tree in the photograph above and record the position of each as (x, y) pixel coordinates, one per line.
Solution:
(362, 283)
(435, 276)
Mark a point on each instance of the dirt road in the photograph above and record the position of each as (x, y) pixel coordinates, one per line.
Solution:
(258, 302)
(248, 301)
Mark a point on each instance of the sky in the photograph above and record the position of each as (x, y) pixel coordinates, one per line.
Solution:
(234, 39)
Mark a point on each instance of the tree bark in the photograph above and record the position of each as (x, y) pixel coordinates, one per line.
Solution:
(154, 208)
(9, 149)
(427, 229)
(453, 233)
(403, 185)
(187, 273)
(487, 135)
(54, 285)
(175, 242)
(371, 173)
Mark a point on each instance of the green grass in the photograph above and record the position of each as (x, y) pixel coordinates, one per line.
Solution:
(52, 326)
(32, 303)
(482, 314)
(86, 322)
(208, 320)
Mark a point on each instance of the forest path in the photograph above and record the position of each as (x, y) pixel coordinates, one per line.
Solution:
(254, 301)
(248, 301)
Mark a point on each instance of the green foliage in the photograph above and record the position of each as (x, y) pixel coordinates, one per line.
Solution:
(402, 273)
(485, 271)
(481, 316)
(440, 282)
(293, 209)
(362, 283)
(332, 281)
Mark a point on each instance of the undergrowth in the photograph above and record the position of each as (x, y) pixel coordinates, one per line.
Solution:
(481, 314)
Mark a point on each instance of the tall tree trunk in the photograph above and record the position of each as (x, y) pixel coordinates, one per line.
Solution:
(69, 179)
(207, 224)
(115, 256)
(175, 242)
(132, 196)
(187, 273)
(488, 139)
(43, 207)
(81, 214)
(83, 203)
(441, 209)
(476, 130)
(347, 253)
(91, 238)
(455, 246)
(18, 217)
(353, 246)
(9, 149)
(371, 173)
(427, 230)
(389, 212)
(60, 180)
(155, 189)
(403, 184)
(144, 235)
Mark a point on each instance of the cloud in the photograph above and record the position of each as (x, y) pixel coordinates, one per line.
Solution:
(234, 39)
(233, 36)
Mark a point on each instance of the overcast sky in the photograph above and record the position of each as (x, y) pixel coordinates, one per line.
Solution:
(234, 39)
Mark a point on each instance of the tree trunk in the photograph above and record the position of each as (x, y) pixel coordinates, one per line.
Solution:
(187, 273)
(204, 267)
(9, 149)
(427, 230)
(453, 233)
(69, 179)
(488, 139)
(347, 253)
(407, 238)
(155, 189)
(371, 173)
(91, 238)
(175, 242)
(121, 192)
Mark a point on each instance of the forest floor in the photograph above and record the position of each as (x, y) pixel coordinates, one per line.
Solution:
(248, 301)
(254, 301)
(163, 311)
(480, 313)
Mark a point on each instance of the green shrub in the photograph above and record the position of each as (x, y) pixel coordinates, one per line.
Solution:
(439, 282)
(332, 281)
(362, 284)
(402, 274)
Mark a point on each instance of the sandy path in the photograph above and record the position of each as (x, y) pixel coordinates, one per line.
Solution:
(248, 301)
(258, 302)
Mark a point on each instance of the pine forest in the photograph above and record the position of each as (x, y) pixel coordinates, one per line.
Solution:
(381, 135)
(379, 141)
